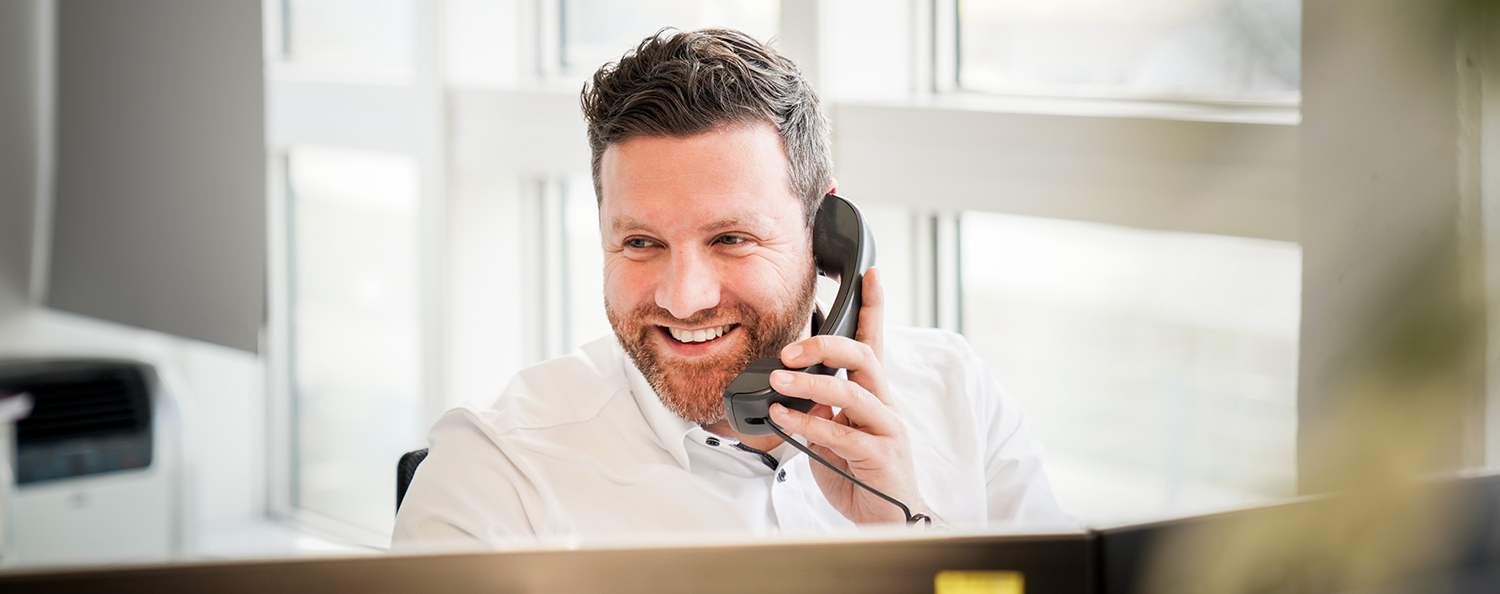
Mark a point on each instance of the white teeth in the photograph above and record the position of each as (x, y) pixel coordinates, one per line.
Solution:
(698, 335)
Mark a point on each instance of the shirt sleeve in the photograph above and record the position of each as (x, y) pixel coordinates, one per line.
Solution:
(1018, 491)
(465, 494)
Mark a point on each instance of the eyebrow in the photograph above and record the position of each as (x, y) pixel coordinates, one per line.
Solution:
(623, 224)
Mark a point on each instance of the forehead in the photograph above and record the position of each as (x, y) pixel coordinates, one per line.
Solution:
(737, 171)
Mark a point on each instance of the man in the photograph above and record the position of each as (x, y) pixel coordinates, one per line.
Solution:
(710, 158)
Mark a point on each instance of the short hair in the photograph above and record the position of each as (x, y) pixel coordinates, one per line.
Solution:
(685, 83)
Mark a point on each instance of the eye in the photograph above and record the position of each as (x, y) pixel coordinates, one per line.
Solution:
(639, 243)
(732, 240)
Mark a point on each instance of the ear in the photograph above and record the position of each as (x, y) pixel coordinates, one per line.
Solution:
(833, 186)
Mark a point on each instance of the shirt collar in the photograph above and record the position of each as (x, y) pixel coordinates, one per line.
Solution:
(671, 430)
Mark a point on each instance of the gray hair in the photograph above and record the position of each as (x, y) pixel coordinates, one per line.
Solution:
(685, 83)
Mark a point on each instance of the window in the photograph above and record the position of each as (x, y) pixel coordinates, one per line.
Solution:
(584, 271)
(598, 31)
(351, 35)
(356, 339)
(1186, 49)
(1159, 369)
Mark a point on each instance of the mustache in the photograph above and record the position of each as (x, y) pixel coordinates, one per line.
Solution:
(654, 314)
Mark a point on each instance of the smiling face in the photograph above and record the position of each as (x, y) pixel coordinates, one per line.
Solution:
(707, 259)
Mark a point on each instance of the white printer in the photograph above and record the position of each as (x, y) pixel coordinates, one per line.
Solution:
(97, 470)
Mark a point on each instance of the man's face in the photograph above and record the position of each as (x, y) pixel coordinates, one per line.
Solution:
(707, 260)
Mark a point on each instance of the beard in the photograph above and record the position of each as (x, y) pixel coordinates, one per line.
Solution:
(694, 389)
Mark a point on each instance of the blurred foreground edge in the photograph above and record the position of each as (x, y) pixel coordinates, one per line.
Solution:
(1439, 536)
(1050, 564)
(1316, 544)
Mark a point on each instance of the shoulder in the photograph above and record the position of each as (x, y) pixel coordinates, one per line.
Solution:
(929, 353)
(940, 367)
(569, 389)
(926, 344)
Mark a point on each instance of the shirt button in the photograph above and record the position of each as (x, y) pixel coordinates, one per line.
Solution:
(781, 476)
(713, 441)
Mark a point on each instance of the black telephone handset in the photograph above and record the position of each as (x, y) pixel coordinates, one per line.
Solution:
(843, 250)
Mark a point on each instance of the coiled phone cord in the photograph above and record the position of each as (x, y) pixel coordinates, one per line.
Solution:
(911, 519)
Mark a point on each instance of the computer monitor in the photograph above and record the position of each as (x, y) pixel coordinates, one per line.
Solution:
(1046, 564)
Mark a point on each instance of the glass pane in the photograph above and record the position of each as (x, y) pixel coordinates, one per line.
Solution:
(1207, 49)
(482, 42)
(584, 279)
(1159, 369)
(892, 228)
(361, 35)
(598, 31)
(356, 343)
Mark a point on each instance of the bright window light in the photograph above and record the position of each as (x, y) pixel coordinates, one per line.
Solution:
(584, 276)
(1246, 50)
(598, 31)
(1158, 368)
(349, 35)
(356, 340)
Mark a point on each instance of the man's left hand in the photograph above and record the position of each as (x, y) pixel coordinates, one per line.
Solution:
(866, 437)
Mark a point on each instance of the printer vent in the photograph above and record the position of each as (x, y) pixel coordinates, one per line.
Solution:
(99, 407)
(88, 417)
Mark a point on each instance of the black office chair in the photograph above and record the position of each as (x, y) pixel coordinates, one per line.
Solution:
(405, 469)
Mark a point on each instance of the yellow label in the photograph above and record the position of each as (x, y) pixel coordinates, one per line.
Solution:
(978, 582)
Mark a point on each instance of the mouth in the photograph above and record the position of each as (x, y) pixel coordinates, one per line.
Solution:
(699, 336)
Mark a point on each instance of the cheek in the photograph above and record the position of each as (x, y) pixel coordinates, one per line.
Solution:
(627, 283)
(764, 282)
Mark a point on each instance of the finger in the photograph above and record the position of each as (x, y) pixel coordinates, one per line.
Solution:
(839, 352)
(832, 351)
(859, 406)
(871, 330)
(844, 441)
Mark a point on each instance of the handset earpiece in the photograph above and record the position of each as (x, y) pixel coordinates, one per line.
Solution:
(843, 249)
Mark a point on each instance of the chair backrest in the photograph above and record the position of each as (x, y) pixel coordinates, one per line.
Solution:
(405, 469)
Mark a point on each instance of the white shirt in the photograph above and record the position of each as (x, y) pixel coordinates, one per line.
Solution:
(581, 446)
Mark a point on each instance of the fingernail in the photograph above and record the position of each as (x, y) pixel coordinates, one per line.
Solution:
(791, 352)
(778, 410)
(782, 378)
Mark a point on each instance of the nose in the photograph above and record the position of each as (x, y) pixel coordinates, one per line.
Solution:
(692, 285)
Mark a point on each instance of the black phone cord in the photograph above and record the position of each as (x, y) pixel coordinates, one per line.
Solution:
(911, 519)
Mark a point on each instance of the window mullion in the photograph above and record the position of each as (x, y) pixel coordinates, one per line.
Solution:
(943, 35)
(432, 159)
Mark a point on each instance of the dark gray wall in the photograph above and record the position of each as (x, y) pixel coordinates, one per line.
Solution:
(159, 219)
(19, 38)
